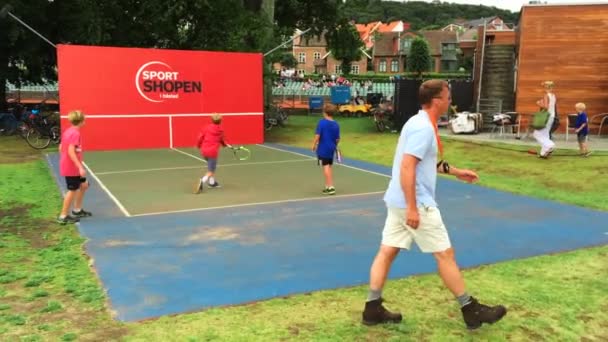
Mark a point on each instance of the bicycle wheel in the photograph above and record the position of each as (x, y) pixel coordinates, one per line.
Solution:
(268, 125)
(23, 130)
(37, 140)
(55, 135)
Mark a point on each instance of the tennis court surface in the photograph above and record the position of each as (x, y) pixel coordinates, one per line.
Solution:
(148, 182)
(159, 249)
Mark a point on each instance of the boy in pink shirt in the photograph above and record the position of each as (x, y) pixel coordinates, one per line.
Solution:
(209, 142)
(71, 167)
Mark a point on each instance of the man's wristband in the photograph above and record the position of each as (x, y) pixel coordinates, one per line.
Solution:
(445, 166)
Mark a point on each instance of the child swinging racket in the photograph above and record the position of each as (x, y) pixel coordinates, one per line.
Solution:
(209, 142)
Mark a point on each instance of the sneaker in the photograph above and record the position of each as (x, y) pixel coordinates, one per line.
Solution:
(376, 313)
(215, 185)
(81, 213)
(198, 187)
(67, 219)
(329, 191)
(475, 314)
(587, 154)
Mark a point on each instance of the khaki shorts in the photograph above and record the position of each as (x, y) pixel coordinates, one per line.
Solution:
(431, 235)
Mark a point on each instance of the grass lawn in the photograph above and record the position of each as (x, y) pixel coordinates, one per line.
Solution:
(49, 292)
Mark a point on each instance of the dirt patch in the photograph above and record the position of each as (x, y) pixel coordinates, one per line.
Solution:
(106, 334)
(15, 150)
(121, 243)
(153, 300)
(81, 324)
(529, 314)
(16, 221)
(17, 304)
(212, 234)
(293, 330)
(12, 157)
(533, 335)
(365, 212)
(209, 234)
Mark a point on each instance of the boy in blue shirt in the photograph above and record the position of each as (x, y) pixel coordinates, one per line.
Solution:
(582, 128)
(327, 136)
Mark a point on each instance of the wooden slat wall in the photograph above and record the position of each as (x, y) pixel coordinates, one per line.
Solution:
(502, 37)
(567, 45)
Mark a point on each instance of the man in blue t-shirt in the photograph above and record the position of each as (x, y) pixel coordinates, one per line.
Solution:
(327, 136)
(413, 215)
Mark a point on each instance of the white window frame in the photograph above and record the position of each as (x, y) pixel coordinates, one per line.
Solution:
(354, 69)
(338, 70)
(395, 65)
(302, 57)
(382, 65)
(317, 55)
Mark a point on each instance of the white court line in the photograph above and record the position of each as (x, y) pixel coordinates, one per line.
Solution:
(257, 203)
(120, 206)
(198, 167)
(171, 132)
(348, 166)
(135, 116)
(189, 154)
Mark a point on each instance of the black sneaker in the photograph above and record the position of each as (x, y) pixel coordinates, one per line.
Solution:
(329, 191)
(81, 213)
(376, 313)
(215, 185)
(475, 314)
(67, 219)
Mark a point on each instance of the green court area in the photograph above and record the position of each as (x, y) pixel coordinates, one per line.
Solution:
(145, 182)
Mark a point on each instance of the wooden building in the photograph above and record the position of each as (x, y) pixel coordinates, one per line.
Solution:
(566, 44)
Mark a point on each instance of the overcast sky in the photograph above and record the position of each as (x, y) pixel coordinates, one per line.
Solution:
(511, 5)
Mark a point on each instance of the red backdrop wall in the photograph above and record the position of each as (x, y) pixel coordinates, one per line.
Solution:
(153, 98)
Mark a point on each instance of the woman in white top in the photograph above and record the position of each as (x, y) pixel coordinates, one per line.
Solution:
(543, 135)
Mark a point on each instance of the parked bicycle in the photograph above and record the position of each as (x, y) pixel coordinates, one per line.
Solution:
(42, 131)
(383, 116)
(13, 122)
(275, 116)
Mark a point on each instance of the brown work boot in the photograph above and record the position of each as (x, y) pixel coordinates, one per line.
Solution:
(376, 313)
(475, 314)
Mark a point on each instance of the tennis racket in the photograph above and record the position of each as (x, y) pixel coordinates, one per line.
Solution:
(338, 156)
(241, 153)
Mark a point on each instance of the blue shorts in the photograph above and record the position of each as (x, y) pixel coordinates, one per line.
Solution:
(211, 164)
(581, 137)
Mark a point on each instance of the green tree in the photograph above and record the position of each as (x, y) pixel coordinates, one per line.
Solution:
(24, 58)
(345, 45)
(227, 25)
(419, 58)
(288, 60)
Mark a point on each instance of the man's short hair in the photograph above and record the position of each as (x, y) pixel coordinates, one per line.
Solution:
(216, 118)
(430, 89)
(330, 109)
